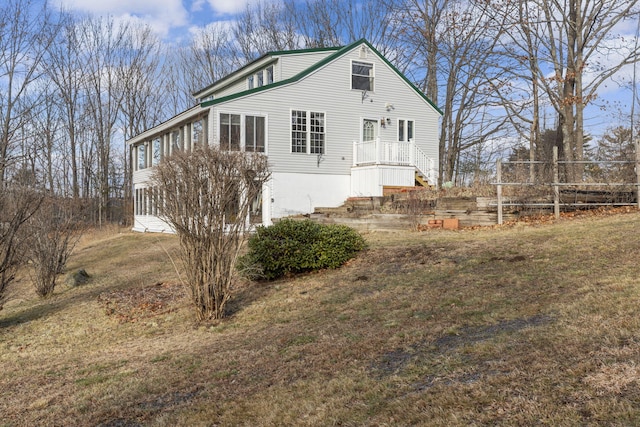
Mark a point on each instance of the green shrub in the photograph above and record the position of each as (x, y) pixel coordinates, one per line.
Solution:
(292, 246)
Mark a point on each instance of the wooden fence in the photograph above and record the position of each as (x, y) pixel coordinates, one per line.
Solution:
(556, 185)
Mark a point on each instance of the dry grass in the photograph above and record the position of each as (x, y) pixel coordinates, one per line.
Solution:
(519, 325)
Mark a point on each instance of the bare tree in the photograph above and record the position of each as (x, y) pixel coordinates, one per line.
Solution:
(616, 145)
(65, 68)
(45, 135)
(17, 204)
(264, 26)
(420, 28)
(208, 57)
(576, 41)
(454, 44)
(139, 77)
(26, 30)
(318, 21)
(52, 233)
(102, 42)
(206, 196)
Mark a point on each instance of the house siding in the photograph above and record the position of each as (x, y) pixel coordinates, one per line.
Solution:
(239, 86)
(150, 224)
(285, 67)
(369, 181)
(301, 193)
(344, 110)
(291, 64)
(301, 182)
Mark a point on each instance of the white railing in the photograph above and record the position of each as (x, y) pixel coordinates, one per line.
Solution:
(399, 153)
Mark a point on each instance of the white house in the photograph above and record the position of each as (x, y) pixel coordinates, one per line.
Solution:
(334, 122)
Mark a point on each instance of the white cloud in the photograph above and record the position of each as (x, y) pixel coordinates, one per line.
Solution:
(197, 5)
(161, 15)
(230, 7)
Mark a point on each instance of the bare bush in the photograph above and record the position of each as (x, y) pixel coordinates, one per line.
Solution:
(17, 205)
(53, 233)
(207, 196)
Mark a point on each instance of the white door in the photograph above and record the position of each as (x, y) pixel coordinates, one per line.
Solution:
(369, 130)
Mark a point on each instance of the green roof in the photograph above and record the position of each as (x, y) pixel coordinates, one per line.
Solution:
(339, 52)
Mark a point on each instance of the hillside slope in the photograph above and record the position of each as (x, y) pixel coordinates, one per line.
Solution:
(514, 326)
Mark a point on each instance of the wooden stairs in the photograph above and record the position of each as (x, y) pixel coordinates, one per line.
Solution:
(408, 211)
(421, 180)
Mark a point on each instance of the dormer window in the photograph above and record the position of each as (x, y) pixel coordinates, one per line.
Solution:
(362, 76)
(269, 74)
(260, 78)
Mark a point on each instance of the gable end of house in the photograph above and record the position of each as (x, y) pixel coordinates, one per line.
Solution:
(318, 65)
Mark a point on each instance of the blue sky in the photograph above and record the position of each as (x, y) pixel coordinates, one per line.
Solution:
(174, 20)
(171, 19)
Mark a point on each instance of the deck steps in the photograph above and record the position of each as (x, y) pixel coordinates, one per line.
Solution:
(404, 211)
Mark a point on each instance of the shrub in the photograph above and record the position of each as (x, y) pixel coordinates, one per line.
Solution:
(292, 246)
(216, 190)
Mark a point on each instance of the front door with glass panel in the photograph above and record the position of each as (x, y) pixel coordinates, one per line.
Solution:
(369, 130)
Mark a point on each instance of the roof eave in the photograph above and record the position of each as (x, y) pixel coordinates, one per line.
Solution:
(167, 124)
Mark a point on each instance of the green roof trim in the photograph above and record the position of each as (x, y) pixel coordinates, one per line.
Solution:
(339, 52)
(308, 50)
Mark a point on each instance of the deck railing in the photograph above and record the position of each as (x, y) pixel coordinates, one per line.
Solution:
(400, 153)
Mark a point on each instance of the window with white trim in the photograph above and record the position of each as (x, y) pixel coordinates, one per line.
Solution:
(316, 133)
(298, 131)
(142, 156)
(255, 214)
(252, 139)
(269, 74)
(142, 201)
(156, 147)
(254, 134)
(405, 130)
(176, 139)
(362, 76)
(308, 132)
(138, 201)
(260, 78)
(230, 132)
(197, 134)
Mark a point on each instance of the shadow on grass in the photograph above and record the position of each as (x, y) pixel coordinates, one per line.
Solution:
(47, 307)
(248, 293)
(394, 361)
(155, 405)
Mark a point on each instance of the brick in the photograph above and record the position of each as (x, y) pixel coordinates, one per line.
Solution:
(451, 224)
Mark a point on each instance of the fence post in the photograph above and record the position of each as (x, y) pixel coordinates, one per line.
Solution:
(499, 188)
(556, 187)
